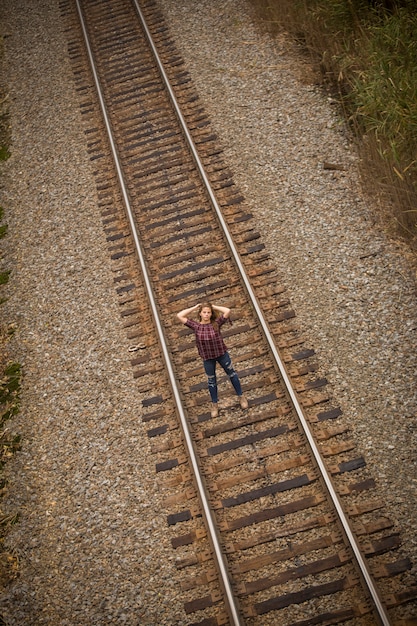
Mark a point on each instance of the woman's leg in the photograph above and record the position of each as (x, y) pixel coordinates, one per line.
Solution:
(210, 369)
(226, 363)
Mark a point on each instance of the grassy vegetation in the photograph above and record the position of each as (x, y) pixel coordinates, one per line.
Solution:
(10, 377)
(4, 119)
(367, 52)
(9, 443)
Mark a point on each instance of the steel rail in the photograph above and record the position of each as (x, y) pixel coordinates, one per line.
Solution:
(231, 600)
(221, 563)
(381, 611)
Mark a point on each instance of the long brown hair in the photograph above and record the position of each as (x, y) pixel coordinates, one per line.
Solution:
(214, 314)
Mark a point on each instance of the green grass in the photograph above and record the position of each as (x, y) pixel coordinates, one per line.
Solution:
(367, 52)
(10, 386)
(9, 392)
(4, 128)
(4, 118)
(4, 275)
(4, 153)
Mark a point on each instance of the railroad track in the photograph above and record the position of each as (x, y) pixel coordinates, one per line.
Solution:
(273, 516)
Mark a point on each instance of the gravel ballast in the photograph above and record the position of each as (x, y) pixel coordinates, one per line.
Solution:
(91, 538)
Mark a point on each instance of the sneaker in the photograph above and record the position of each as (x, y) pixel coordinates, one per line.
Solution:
(243, 402)
(214, 410)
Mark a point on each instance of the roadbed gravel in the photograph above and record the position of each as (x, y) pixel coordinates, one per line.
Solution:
(91, 537)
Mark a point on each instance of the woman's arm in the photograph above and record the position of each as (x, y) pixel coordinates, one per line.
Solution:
(222, 309)
(183, 315)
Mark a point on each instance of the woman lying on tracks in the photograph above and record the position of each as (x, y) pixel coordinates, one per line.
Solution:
(212, 348)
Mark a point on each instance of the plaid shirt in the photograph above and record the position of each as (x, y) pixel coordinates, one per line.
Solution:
(209, 342)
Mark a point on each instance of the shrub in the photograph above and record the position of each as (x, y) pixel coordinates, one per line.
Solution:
(367, 51)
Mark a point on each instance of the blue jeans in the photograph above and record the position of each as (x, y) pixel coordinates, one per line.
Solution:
(210, 368)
